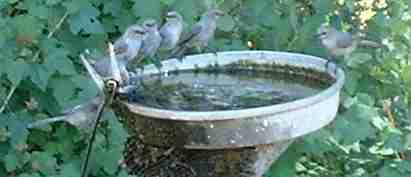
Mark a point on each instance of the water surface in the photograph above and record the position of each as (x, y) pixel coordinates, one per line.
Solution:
(211, 90)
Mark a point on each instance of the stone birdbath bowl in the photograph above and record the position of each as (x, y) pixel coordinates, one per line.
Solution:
(229, 143)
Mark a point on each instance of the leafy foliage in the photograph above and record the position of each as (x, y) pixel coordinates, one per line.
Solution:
(40, 76)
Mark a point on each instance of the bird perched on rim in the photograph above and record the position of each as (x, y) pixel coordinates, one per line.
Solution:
(201, 33)
(171, 30)
(81, 116)
(85, 115)
(126, 48)
(152, 40)
(340, 43)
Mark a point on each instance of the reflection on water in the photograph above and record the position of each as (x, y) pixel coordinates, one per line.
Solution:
(228, 90)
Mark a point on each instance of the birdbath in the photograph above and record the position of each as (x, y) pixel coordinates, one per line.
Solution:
(227, 143)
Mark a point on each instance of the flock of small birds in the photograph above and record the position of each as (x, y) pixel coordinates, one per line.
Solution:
(146, 40)
(136, 43)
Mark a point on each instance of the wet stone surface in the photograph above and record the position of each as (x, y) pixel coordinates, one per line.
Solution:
(224, 88)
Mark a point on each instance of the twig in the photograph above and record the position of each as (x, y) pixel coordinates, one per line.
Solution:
(36, 55)
(52, 33)
(6, 101)
(391, 119)
(387, 110)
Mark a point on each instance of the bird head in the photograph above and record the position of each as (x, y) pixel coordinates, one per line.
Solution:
(173, 15)
(214, 13)
(135, 32)
(324, 31)
(150, 25)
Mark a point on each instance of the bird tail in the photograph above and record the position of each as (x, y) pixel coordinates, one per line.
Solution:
(44, 122)
(178, 52)
(372, 44)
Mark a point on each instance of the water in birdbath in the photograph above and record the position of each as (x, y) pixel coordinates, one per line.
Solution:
(231, 87)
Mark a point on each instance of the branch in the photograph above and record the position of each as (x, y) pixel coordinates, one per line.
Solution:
(391, 119)
(6, 101)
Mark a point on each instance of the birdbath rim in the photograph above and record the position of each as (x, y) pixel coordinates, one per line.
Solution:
(224, 58)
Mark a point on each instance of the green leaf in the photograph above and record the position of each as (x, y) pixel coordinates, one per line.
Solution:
(44, 163)
(365, 99)
(16, 71)
(356, 59)
(147, 9)
(28, 29)
(189, 10)
(17, 131)
(285, 165)
(396, 141)
(226, 23)
(39, 74)
(356, 124)
(86, 20)
(37, 9)
(64, 90)
(323, 7)
(389, 171)
(29, 175)
(15, 160)
(74, 6)
(69, 170)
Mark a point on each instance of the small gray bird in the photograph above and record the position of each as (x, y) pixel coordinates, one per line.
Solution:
(201, 33)
(152, 40)
(171, 30)
(82, 116)
(340, 43)
(126, 48)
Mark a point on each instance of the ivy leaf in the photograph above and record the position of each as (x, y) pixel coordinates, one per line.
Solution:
(356, 124)
(63, 90)
(69, 170)
(16, 71)
(286, 162)
(74, 6)
(39, 74)
(356, 59)
(44, 163)
(188, 9)
(56, 58)
(389, 171)
(28, 29)
(29, 175)
(86, 20)
(17, 131)
(365, 99)
(226, 23)
(15, 160)
(147, 9)
(323, 7)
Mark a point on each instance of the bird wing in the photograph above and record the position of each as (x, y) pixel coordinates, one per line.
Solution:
(345, 41)
(195, 30)
(120, 47)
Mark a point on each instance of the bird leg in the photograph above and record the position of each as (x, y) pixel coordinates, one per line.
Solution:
(331, 60)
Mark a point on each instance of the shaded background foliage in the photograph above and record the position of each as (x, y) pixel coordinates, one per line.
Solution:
(40, 75)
